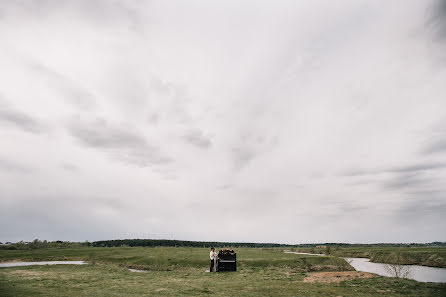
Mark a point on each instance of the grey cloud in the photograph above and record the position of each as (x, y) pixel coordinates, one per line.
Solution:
(418, 167)
(406, 180)
(16, 118)
(197, 138)
(162, 87)
(70, 167)
(93, 11)
(175, 98)
(409, 179)
(396, 169)
(11, 167)
(153, 118)
(242, 156)
(437, 146)
(354, 172)
(76, 217)
(346, 207)
(72, 91)
(438, 19)
(250, 145)
(119, 141)
(101, 134)
(421, 209)
(244, 90)
(225, 187)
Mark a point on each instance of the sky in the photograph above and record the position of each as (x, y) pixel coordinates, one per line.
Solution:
(250, 121)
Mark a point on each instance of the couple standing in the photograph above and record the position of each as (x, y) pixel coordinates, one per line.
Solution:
(214, 263)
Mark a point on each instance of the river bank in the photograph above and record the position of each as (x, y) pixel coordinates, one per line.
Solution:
(423, 256)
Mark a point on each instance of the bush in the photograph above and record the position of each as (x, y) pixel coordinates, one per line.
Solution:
(328, 250)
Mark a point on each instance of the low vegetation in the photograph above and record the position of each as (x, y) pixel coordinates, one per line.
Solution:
(410, 255)
(181, 272)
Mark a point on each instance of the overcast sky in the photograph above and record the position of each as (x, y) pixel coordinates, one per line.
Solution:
(256, 121)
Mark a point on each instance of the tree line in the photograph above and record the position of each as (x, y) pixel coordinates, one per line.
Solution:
(36, 244)
(182, 243)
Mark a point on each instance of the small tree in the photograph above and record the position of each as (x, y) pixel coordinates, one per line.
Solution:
(328, 250)
(397, 269)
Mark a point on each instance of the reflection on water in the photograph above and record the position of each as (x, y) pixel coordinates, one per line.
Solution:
(15, 264)
(137, 270)
(416, 272)
(299, 253)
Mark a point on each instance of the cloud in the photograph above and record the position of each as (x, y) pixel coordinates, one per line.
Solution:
(437, 146)
(18, 119)
(197, 138)
(241, 157)
(121, 142)
(406, 181)
(418, 167)
(410, 168)
(264, 107)
(249, 145)
(411, 180)
(70, 167)
(77, 218)
(71, 91)
(12, 167)
(225, 187)
(438, 19)
(422, 210)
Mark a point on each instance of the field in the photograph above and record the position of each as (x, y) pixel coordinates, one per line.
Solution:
(181, 272)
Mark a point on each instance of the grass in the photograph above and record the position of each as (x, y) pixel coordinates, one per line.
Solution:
(181, 272)
(170, 258)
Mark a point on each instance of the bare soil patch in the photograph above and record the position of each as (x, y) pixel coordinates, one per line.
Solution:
(335, 277)
(11, 261)
(28, 274)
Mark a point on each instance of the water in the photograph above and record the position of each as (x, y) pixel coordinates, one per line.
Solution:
(16, 264)
(416, 272)
(299, 253)
(138, 270)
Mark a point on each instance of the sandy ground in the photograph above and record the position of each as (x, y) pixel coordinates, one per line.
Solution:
(335, 277)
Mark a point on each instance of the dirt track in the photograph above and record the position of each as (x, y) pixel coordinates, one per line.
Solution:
(335, 277)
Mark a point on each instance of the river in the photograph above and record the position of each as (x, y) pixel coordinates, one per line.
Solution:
(415, 272)
(16, 264)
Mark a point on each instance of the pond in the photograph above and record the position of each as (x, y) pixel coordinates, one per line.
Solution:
(299, 253)
(16, 264)
(416, 272)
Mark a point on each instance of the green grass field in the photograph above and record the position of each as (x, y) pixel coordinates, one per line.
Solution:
(181, 272)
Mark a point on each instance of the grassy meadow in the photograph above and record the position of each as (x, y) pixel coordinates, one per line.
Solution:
(181, 272)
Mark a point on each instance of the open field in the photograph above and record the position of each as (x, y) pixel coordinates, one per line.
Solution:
(427, 256)
(181, 272)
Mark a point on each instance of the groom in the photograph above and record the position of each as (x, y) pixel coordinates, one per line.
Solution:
(212, 255)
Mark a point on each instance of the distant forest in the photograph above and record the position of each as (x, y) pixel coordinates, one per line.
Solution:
(185, 243)
(36, 244)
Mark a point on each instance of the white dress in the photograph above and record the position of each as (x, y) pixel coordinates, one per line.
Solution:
(215, 262)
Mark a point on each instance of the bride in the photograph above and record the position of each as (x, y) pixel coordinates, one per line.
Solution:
(214, 263)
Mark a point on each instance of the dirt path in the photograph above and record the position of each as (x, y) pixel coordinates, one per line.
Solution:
(335, 277)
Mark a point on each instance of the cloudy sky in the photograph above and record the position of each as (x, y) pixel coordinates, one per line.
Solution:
(256, 121)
